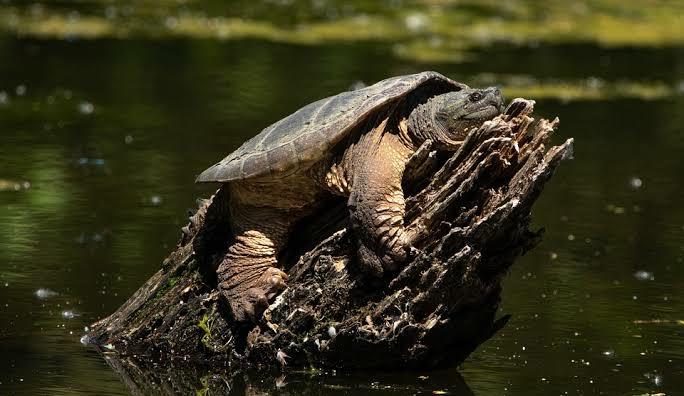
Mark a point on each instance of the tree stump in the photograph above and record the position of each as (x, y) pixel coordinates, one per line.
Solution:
(469, 212)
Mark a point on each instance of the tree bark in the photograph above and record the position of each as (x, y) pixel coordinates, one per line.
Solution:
(469, 214)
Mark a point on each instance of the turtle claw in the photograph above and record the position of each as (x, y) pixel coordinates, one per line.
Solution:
(251, 304)
(377, 265)
(274, 282)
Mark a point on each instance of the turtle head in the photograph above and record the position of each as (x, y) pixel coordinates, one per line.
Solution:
(452, 115)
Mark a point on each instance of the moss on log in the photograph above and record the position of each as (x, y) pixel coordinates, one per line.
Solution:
(469, 212)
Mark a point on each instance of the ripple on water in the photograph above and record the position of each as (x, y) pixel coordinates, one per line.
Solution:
(655, 378)
(44, 294)
(644, 275)
(86, 108)
(11, 185)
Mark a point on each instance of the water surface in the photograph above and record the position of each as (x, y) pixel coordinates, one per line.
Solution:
(100, 141)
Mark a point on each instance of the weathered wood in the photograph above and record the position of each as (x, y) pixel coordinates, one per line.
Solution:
(468, 214)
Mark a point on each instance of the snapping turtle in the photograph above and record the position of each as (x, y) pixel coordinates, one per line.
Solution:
(355, 144)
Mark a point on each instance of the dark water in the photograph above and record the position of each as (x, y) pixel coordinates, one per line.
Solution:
(103, 139)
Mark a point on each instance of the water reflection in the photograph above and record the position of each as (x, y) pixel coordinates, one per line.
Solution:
(143, 378)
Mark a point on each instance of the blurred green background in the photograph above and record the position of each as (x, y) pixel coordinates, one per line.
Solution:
(109, 109)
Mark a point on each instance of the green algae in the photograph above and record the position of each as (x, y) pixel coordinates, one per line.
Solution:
(457, 25)
(426, 32)
(204, 325)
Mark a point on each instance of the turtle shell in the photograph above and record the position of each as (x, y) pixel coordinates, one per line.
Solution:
(304, 136)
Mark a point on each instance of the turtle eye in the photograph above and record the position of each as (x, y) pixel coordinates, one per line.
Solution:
(475, 96)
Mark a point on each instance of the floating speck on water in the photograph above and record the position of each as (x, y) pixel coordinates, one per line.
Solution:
(45, 293)
(595, 83)
(6, 284)
(128, 139)
(655, 378)
(608, 353)
(171, 23)
(635, 183)
(68, 314)
(553, 255)
(36, 10)
(74, 16)
(20, 90)
(644, 275)
(571, 237)
(86, 108)
(416, 22)
(4, 98)
(155, 200)
(436, 41)
(110, 12)
(615, 209)
(83, 161)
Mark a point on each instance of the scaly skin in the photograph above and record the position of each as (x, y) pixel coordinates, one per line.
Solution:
(261, 217)
(374, 168)
(368, 169)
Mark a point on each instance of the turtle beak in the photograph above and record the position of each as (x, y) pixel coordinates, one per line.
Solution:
(496, 98)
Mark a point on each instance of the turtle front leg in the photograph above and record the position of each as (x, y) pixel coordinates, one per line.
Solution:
(248, 276)
(376, 205)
